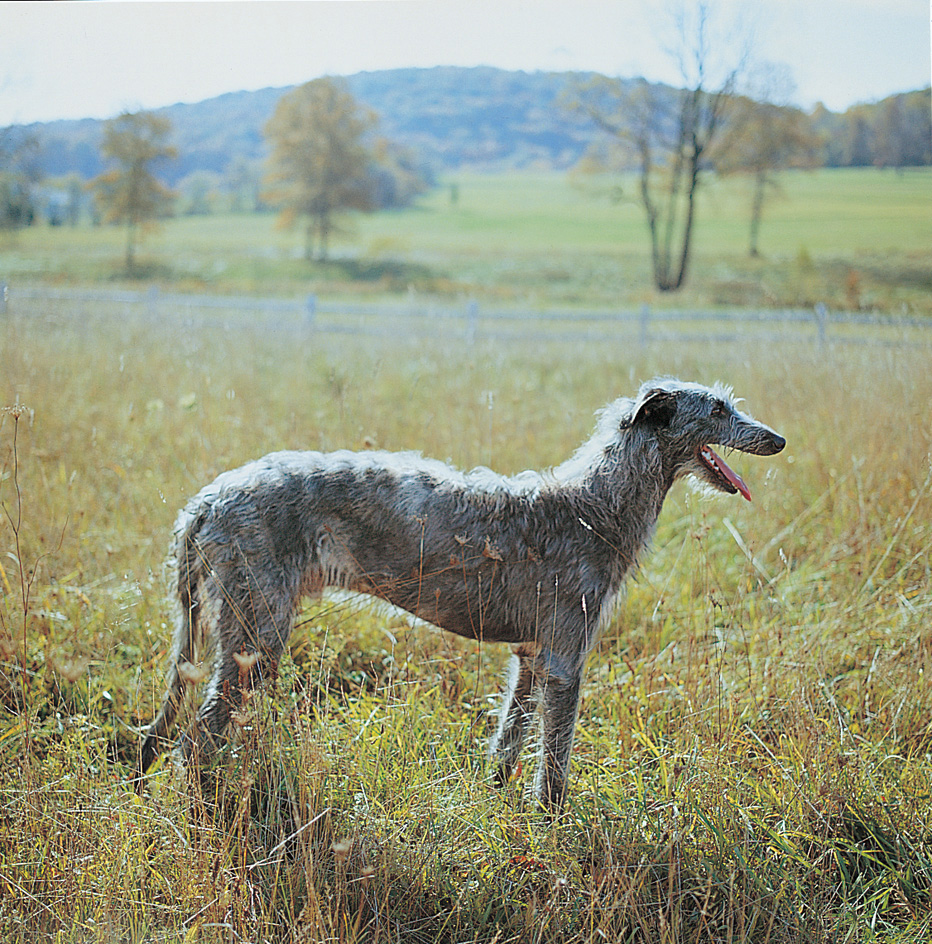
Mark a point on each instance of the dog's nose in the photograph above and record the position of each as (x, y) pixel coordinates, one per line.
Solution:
(778, 442)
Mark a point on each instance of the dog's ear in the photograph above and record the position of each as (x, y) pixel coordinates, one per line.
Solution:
(656, 407)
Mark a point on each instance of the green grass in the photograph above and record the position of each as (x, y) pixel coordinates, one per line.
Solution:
(754, 757)
(848, 238)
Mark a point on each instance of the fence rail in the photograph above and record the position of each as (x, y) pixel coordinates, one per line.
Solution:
(467, 322)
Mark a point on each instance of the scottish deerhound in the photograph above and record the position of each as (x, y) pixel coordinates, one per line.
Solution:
(535, 560)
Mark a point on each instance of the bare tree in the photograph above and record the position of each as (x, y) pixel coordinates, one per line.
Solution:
(765, 135)
(666, 133)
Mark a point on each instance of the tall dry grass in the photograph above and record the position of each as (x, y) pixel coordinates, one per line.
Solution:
(753, 759)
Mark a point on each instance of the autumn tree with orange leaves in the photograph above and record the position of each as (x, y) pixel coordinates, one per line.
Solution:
(129, 192)
(319, 163)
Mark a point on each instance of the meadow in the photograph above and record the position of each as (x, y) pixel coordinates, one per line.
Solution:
(754, 756)
(851, 239)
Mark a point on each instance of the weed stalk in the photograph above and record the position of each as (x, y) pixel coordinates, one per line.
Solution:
(15, 518)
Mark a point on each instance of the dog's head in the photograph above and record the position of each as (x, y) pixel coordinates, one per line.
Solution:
(687, 419)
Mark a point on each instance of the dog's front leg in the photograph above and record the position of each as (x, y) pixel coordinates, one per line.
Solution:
(559, 705)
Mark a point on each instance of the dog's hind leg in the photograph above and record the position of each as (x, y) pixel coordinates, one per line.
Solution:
(252, 630)
(517, 710)
(183, 648)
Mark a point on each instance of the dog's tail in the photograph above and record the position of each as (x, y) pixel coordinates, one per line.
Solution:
(189, 571)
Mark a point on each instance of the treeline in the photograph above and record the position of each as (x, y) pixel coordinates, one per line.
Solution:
(386, 174)
(431, 120)
(895, 132)
(326, 157)
(28, 195)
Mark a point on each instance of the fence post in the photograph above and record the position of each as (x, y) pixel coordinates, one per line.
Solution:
(821, 318)
(472, 320)
(152, 297)
(310, 311)
(643, 322)
(4, 295)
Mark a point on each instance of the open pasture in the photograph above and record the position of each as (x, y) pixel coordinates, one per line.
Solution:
(754, 757)
(851, 239)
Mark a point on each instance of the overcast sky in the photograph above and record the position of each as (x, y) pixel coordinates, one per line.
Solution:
(95, 58)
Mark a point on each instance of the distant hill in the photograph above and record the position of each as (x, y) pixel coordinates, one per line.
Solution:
(209, 135)
(450, 116)
(456, 117)
(480, 116)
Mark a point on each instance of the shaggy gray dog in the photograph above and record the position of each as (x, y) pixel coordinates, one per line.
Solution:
(535, 560)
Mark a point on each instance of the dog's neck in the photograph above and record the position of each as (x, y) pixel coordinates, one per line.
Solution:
(622, 497)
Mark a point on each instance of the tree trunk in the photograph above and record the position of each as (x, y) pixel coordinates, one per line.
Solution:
(667, 277)
(757, 211)
(324, 227)
(690, 214)
(131, 247)
(680, 203)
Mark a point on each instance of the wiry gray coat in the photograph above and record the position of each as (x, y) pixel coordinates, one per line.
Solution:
(535, 560)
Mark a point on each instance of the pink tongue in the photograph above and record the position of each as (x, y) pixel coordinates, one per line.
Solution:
(729, 473)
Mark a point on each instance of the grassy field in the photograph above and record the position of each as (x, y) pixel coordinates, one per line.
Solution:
(754, 759)
(852, 239)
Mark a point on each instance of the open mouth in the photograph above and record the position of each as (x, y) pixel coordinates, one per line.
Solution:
(729, 479)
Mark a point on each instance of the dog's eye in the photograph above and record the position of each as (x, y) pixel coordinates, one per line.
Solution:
(719, 409)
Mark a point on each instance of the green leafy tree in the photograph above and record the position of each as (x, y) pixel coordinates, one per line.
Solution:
(136, 143)
(19, 176)
(199, 192)
(319, 164)
(242, 181)
(73, 186)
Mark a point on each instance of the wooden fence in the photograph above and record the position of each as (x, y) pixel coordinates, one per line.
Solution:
(467, 322)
